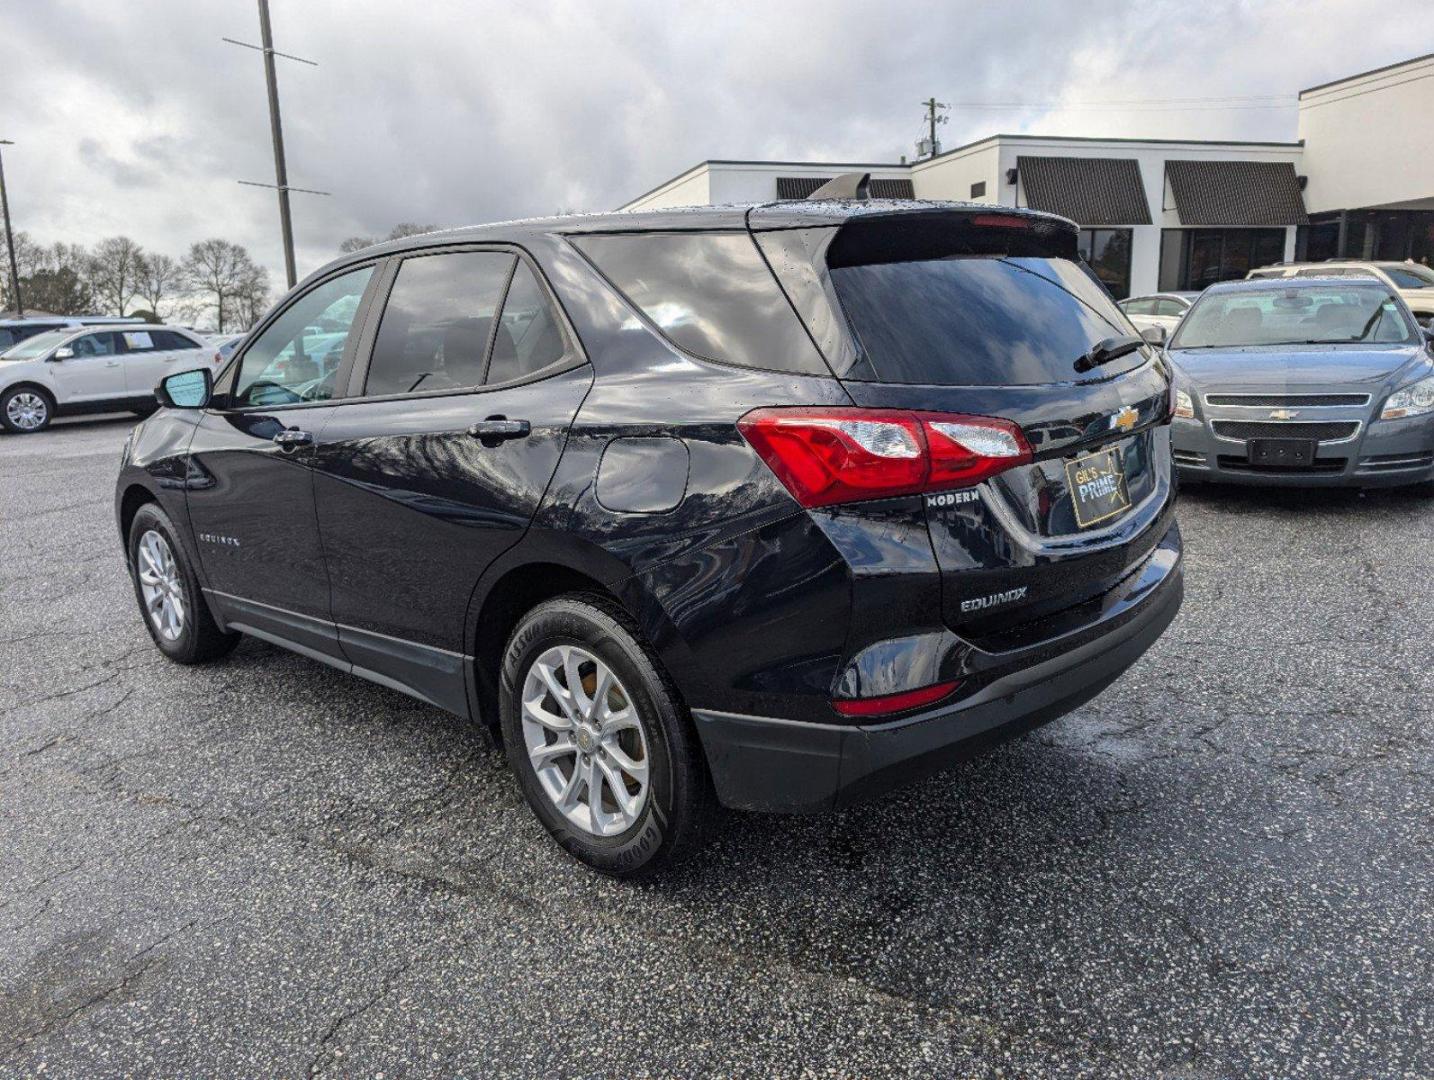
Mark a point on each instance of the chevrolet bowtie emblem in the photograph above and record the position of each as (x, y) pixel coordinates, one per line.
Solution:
(1283, 414)
(1125, 419)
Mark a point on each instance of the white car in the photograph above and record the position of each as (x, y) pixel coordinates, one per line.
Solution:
(14, 331)
(1164, 310)
(91, 369)
(1414, 282)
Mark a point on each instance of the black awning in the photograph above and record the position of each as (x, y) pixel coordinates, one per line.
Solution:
(1236, 193)
(799, 187)
(1089, 191)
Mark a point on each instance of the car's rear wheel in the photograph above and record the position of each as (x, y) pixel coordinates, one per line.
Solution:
(25, 410)
(170, 600)
(599, 739)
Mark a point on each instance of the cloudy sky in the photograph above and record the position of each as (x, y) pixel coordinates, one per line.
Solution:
(135, 118)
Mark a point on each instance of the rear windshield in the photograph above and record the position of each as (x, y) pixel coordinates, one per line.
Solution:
(1335, 314)
(997, 319)
(1410, 277)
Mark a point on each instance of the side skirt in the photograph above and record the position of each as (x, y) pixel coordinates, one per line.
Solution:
(432, 675)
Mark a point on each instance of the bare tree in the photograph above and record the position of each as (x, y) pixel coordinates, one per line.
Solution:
(398, 232)
(251, 299)
(215, 268)
(114, 272)
(160, 278)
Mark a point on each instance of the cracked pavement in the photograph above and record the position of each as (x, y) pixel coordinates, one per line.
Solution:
(1222, 867)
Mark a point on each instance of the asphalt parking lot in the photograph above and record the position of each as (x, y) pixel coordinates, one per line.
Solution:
(1220, 868)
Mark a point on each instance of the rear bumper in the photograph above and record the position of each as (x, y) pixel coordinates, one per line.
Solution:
(762, 763)
(1385, 453)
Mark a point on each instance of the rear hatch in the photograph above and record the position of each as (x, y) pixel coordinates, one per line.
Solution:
(982, 313)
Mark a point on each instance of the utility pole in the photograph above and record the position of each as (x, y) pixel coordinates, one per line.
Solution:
(934, 109)
(276, 130)
(10, 238)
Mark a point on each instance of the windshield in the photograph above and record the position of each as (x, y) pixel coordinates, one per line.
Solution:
(36, 346)
(1410, 276)
(1333, 314)
(980, 320)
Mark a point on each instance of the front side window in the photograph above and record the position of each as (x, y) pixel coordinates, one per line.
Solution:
(1336, 314)
(438, 322)
(1171, 308)
(95, 345)
(297, 357)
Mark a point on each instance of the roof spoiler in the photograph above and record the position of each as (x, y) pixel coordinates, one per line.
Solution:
(852, 185)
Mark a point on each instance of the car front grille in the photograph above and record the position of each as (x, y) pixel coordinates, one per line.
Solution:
(1188, 458)
(1258, 429)
(1287, 401)
(1320, 465)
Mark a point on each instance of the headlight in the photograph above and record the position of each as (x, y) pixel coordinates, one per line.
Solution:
(1416, 399)
(1184, 406)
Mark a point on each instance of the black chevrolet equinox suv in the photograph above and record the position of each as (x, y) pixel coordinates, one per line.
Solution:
(769, 506)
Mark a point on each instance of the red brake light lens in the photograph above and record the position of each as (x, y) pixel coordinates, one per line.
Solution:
(1001, 221)
(826, 456)
(894, 703)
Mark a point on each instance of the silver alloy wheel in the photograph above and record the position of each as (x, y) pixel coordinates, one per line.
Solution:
(160, 586)
(585, 741)
(27, 410)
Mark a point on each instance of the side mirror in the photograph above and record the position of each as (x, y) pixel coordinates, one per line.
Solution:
(64, 352)
(1429, 332)
(185, 390)
(1155, 335)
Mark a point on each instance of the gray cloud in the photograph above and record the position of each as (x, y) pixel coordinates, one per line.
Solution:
(137, 119)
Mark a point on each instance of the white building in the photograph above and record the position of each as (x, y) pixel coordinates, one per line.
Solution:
(1173, 214)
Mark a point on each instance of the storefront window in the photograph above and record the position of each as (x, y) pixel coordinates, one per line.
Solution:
(1108, 253)
(1196, 258)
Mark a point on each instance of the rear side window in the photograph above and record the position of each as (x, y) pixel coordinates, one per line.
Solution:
(170, 340)
(712, 294)
(1144, 306)
(529, 336)
(438, 321)
(978, 320)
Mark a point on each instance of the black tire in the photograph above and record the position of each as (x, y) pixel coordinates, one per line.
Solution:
(199, 638)
(38, 392)
(680, 803)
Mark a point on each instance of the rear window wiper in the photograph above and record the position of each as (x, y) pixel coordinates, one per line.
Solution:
(1112, 348)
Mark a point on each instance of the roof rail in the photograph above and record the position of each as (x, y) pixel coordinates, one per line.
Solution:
(852, 185)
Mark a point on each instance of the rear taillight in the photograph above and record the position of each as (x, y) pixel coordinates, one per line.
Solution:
(835, 455)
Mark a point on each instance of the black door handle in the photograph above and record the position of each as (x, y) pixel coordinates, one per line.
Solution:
(292, 438)
(497, 428)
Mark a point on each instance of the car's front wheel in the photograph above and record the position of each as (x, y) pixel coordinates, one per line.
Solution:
(26, 409)
(170, 600)
(598, 737)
